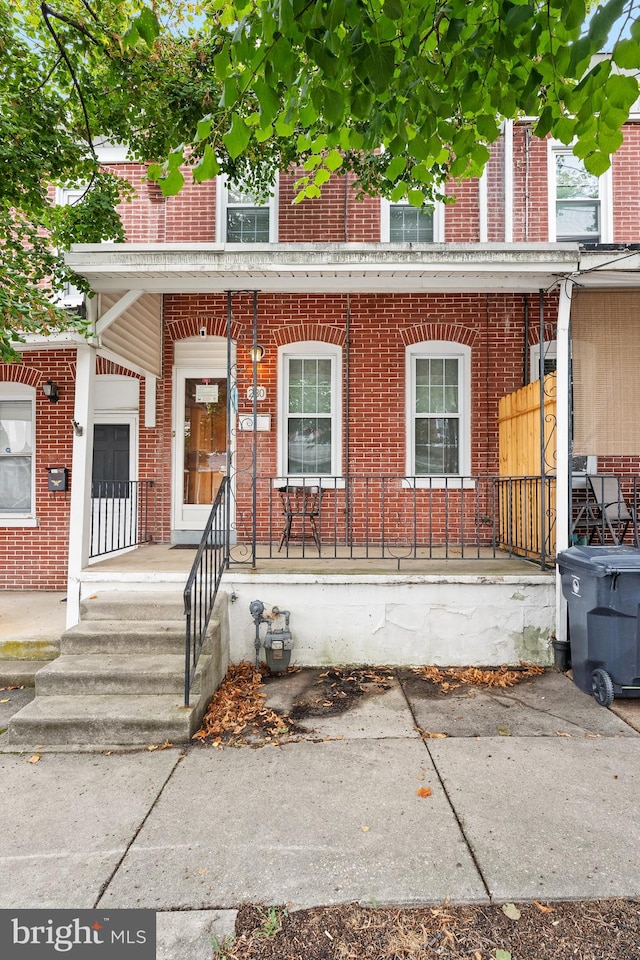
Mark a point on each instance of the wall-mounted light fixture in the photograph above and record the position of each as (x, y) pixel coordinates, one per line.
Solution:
(256, 353)
(50, 390)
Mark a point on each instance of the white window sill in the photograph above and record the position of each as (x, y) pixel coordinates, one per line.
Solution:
(438, 483)
(327, 483)
(13, 521)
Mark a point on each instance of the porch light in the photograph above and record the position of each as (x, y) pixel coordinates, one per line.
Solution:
(256, 353)
(50, 390)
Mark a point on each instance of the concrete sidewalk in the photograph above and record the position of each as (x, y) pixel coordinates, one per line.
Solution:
(533, 795)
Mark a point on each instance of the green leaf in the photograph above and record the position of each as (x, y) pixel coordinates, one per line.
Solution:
(597, 163)
(147, 26)
(626, 54)
(393, 9)
(207, 168)
(172, 184)
(204, 127)
(603, 21)
(334, 160)
(333, 105)
(503, 954)
(237, 138)
(155, 171)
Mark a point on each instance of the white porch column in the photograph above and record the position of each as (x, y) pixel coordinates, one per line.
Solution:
(80, 519)
(563, 453)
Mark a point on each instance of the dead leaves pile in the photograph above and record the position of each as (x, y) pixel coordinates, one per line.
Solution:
(450, 678)
(237, 714)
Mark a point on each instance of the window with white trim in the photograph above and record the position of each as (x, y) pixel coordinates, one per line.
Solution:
(17, 431)
(310, 422)
(579, 207)
(244, 217)
(70, 296)
(402, 223)
(438, 409)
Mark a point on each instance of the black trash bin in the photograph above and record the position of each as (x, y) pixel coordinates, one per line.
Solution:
(602, 588)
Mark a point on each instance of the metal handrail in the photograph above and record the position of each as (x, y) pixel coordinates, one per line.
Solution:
(211, 560)
(119, 515)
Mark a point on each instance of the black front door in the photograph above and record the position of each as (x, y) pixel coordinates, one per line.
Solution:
(111, 448)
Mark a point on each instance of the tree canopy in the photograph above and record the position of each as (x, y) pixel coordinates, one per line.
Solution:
(402, 94)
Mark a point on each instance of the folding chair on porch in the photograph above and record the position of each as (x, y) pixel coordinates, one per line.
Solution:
(301, 510)
(606, 510)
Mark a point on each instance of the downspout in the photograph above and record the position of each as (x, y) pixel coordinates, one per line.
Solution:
(232, 405)
(347, 418)
(254, 452)
(508, 181)
(563, 440)
(543, 456)
(81, 467)
(483, 208)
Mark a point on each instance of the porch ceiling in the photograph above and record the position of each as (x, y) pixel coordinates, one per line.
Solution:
(324, 268)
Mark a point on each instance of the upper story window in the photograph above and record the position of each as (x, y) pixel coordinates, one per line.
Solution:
(402, 223)
(243, 217)
(579, 201)
(438, 409)
(309, 438)
(70, 296)
(16, 451)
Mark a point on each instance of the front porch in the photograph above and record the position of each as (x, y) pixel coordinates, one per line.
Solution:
(489, 610)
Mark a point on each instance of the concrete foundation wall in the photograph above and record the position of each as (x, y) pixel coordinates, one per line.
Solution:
(467, 620)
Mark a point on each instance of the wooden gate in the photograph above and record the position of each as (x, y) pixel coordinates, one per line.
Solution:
(527, 499)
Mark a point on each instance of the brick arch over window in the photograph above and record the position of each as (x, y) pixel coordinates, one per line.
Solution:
(550, 328)
(298, 332)
(108, 367)
(20, 373)
(450, 332)
(191, 327)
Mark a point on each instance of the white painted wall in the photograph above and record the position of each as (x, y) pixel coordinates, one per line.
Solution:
(466, 620)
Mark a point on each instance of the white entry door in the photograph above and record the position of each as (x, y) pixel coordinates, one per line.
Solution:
(200, 452)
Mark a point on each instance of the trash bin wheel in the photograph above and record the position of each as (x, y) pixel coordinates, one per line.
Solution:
(602, 687)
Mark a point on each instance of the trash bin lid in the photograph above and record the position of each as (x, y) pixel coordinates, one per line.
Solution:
(600, 561)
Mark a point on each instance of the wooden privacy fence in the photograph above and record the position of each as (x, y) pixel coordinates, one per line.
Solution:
(527, 452)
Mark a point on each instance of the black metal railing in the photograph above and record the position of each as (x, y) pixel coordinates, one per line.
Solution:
(120, 515)
(397, 518)
(211, 560)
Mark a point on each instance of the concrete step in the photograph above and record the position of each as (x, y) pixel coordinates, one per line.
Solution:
(133, 605)
(121, 636)
(108, 720)
(20, 673)
(132, 674)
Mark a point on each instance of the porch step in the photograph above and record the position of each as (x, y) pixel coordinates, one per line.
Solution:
(121, 636)
(20, 673)
(133, 674)
(119, 679)
(129, 605)
(102, 720)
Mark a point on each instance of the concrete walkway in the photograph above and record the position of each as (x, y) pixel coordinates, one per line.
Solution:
(543, 809)
(533, 795)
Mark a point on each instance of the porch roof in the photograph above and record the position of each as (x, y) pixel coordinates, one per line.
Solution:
(325, 268)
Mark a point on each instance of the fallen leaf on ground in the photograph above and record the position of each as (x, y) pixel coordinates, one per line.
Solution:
(6, 700)
(559, 733)
(450, 678)
(510, 910)
(34, 758)
(503, 954)
(364, 828)
(424, 792)
(542, 907)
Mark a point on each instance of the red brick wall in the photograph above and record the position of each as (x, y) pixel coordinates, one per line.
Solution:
(36, 558)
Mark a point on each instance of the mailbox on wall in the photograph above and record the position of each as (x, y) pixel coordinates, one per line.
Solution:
(58, 479)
